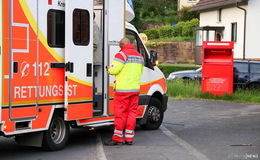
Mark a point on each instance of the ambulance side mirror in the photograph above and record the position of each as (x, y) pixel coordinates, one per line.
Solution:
(153, 57)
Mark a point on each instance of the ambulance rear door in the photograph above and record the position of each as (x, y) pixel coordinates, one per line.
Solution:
(1, 53)
(78, 59)
(20, 63)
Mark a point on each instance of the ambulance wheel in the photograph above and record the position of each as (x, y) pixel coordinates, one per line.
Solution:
(56, 137)
(154, 115)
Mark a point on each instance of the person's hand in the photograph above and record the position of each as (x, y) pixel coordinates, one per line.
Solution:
(95, 46)
(107, 67)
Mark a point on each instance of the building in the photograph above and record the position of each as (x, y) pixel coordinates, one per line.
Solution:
(186, 3)
(230, 20)
(98, 2)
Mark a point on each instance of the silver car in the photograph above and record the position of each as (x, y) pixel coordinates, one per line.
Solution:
(186, 75)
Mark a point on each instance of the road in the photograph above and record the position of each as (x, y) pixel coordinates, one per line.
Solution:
(192, 130)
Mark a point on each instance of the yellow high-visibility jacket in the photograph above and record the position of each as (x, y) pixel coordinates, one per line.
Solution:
(127, 67)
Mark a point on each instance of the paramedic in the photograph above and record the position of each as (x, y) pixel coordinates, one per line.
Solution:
(127, 67)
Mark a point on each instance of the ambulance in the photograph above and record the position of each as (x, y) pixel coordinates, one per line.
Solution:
(53, 56)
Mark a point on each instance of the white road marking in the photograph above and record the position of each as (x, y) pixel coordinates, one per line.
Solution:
(184, 144)
(100, 150)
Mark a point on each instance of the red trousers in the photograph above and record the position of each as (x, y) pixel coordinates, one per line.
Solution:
(126, 105)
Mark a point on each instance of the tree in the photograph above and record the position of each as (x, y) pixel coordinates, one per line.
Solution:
(137, 20)
(185, 14)
(161, 7)
(157, 11)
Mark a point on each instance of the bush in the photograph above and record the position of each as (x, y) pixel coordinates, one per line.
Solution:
(187, 29)
(182, 29)
(195, 22)
(179, 28)
(166, 32)
(152, 33)
(145, 14)
(151, 44)
(169, 19)
(167, 69)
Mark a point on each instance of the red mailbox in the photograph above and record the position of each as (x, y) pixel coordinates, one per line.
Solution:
(217, 67)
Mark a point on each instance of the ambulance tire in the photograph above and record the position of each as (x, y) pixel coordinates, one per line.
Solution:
(154, 115)
(56, 137)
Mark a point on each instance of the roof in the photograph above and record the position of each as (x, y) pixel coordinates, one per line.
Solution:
(246, 61)
(210, 28)
(204, 5)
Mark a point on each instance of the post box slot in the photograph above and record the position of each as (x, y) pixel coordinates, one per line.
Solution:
(218, 51)
(211, 58)
(228, 61)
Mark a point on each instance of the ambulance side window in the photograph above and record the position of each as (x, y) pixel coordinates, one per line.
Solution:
(56, 28)
(81, 27)
(142, 50)
(135, 40)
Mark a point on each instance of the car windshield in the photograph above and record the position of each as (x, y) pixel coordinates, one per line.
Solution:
(171, 74)
(199, 69)
(241, 67)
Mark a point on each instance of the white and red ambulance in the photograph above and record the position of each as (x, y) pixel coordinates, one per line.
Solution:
(51, 78)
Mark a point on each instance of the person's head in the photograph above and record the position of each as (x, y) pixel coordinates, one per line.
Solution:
(124, 42)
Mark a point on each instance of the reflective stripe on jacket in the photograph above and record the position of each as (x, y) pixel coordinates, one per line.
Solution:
(127, 67)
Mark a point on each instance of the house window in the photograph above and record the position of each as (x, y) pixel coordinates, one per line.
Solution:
(234, 32)
(56, 28)
(81, 27)
(219, 14)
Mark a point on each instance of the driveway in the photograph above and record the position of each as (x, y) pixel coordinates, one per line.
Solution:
(192, 130)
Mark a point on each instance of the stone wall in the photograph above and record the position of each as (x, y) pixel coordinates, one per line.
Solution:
(174, 51)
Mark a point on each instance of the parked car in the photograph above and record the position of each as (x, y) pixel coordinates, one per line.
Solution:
(186, 75)
(246, 74)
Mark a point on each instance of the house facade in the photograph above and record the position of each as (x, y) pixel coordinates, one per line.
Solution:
(186, 3)
(231, 20)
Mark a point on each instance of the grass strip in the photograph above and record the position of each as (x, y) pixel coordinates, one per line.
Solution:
(180, 89)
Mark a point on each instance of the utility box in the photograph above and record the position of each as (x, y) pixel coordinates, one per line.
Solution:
(217, 67)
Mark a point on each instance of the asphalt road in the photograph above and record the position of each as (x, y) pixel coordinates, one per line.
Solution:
(192, 130)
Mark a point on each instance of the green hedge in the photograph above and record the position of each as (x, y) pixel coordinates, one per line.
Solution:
(167, 69)
(182, 29)
(152, 33)
(166, 32)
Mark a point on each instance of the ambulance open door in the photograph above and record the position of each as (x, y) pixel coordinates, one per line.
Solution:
(114, 32)
(78, 59)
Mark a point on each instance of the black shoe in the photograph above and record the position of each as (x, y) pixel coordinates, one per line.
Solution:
(128, 143)
(112, 143)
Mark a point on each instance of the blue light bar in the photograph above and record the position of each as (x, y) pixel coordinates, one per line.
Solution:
(130, 2)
